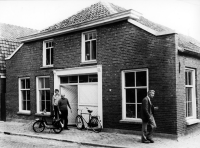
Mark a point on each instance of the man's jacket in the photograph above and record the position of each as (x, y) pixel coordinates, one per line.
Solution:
(147, 109)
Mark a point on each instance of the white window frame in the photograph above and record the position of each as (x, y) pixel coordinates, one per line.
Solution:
(83, 52)
(124, 118)
(37, 94)
(44, 53)
(20, 96)
(193, 86)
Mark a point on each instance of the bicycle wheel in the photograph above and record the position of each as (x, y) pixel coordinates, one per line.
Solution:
(38, 126)
(95, 124)
(79, 122)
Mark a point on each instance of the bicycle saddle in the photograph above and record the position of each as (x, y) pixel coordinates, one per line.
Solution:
(90, 111)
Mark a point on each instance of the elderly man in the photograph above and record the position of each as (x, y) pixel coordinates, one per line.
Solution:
(148, 117)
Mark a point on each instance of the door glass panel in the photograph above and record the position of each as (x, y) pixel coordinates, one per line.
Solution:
(83, 78)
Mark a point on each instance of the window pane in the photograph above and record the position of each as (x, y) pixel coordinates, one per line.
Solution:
(28, 105)
(139, 110)
(48, 57)
(23, 84)
(40, 83)
(27, 83)
(43, 105)
(141, 93)
(188, 94)
(130, 110)
(47, 94)
(186, 78)
(130, 95)
(23, 105)
(28, 94)
(93, 78)
(47, 83)
(48, 106)
(87, 50)
(141, 78)
(93, 49)
(90, 35)
(63, 79)
(51, 55)
(189, 109)
(73, 79)
(86, 36)
(189, 78)
(47, 45)
(23, 95)
(83, 78)
(129, 79)
(42, 95)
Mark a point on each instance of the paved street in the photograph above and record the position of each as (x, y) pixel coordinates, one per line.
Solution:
(22, 135)
(13, 141)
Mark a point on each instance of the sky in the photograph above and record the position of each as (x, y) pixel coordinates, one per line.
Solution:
(180, 15)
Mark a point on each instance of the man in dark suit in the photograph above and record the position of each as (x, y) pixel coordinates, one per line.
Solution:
(148, 117)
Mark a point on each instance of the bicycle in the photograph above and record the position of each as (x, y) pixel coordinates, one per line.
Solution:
(94, 122)
(40, 124)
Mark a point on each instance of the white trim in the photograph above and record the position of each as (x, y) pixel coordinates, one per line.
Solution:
(192, 121)
(83, 70)
(98, 22)
(37, 95)
(156, 33)
(20, 96)
(2, 76)
(9, 57)
(193, 86)
(44, 53)
(83, 47)
(124, 118)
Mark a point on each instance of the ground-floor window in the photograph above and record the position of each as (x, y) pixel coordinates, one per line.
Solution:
(190, 100)
(43, 94)
(134, 89)
(24, 94)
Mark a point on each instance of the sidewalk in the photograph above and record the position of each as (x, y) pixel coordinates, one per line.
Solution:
(103, 139)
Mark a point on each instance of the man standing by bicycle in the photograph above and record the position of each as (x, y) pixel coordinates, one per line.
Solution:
(56, 97)
(63, 105)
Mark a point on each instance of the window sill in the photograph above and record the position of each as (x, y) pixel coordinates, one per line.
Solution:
(46, 114)
(23, 113)
(88, 62)
(47, 66)
(131, 121)
(192, 121)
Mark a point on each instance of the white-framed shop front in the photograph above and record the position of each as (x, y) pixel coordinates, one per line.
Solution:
(81, 95)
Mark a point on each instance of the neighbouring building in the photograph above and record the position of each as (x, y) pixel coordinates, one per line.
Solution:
(106, 58)
(8, 43)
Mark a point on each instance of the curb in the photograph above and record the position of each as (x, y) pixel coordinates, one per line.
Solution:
(65, 140)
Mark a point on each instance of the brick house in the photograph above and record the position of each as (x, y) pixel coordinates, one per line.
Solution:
(106, 58)
(8, 43)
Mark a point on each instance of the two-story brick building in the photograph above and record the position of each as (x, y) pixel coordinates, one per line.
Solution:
(107, 58)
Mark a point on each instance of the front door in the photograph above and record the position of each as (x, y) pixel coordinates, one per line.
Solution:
(71, 93)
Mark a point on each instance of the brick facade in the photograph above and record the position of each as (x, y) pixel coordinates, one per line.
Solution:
(120, 46)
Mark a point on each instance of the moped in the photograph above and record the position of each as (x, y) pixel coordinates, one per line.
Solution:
(40, 124)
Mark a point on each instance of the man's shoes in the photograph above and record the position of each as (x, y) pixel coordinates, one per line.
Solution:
(150, 140)
(145, 141)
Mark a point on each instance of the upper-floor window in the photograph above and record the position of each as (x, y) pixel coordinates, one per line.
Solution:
(134, 89)
(89, 47)
(24, 95)
(48, 53)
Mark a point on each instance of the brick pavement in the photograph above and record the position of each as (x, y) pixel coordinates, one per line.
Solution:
(103, 139)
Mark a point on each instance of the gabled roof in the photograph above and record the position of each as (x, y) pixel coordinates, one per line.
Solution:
(95, 11)
(12, 32)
